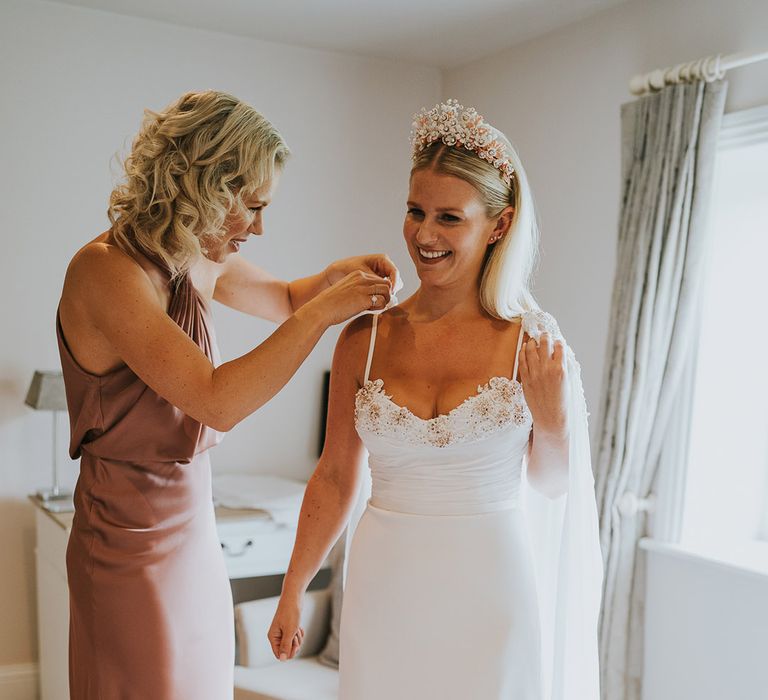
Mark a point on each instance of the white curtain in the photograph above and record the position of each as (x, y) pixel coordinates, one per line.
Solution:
(669, 143)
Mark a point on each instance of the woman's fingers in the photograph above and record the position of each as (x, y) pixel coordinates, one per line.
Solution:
(542, 372)
(286, 646)
(285, 633)
(548, 348)
(383, 266)
(375, 265)
(275, 636)
(524, 363)
(558, 355)
(532, 356)
(298, 640)
(538, 355)
(553, 352)
(379, 296)
(388, 269)
(546, 344)
(357, 293)
(370, 285)
(282, 639)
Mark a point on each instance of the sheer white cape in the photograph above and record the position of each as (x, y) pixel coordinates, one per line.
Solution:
(566, 547)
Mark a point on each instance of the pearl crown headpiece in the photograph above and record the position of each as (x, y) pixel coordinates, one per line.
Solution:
(457, 125)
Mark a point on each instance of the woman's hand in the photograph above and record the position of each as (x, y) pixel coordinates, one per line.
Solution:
(542, 371)
(356, 292)
(371, 268)
(285, 634)
(379, 265)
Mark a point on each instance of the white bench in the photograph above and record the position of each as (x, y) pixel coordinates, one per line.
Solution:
(260, 676)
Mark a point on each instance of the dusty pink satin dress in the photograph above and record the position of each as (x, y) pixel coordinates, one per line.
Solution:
(150, 602)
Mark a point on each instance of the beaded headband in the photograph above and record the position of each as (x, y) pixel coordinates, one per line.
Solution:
(456, 125)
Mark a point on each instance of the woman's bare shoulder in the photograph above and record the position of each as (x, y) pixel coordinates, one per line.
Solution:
(355, 335)
(101, 256)
(354, 342)
(100, 272)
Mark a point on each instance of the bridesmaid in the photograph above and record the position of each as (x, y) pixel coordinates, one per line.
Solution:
(151, 608)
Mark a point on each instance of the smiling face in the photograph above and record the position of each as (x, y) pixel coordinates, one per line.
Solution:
(237, 227)
(447, 229)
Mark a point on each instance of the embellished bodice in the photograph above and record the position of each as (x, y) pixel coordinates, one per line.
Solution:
(497, 405)
(466, 461)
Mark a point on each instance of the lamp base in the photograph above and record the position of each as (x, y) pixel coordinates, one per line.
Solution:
(56, 500)
(59, 506)
(54, 495)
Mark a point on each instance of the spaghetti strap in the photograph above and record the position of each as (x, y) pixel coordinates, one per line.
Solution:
(517, 352)
(371, 346)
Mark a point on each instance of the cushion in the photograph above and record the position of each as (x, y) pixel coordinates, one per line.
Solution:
(253, 618)
(330, 653)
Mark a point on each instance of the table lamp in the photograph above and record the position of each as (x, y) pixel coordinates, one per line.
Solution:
(46, 393)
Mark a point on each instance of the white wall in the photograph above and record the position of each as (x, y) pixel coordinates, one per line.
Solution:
(558, 99)
(707, 628)
(74, 83)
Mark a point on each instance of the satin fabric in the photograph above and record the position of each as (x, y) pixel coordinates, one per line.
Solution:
(150, 601)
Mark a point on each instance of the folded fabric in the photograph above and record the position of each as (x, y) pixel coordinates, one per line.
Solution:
(280, 498)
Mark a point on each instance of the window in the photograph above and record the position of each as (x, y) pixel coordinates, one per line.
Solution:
(726, 503)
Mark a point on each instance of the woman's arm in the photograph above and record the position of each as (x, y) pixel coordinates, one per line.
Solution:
(331, 492)
(119, 302)
(247, 288)
(548, 463)
(542, 371)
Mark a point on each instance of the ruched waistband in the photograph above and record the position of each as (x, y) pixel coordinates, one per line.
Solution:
(412, 507)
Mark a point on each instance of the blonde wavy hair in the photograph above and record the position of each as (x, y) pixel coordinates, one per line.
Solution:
(510, 262)
(190, 166)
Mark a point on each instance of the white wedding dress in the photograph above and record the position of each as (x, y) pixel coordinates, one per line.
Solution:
(462, 583)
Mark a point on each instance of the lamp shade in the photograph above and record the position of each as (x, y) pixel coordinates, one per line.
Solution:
(46, 392)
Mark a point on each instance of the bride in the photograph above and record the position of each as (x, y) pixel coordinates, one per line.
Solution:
(475, 569)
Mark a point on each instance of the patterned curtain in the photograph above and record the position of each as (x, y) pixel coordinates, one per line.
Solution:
(669, 142)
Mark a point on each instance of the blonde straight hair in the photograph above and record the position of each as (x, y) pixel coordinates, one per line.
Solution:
(509, 265)
(190, 166)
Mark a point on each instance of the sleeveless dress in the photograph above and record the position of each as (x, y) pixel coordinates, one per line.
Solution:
(443, 596)
(150, 603)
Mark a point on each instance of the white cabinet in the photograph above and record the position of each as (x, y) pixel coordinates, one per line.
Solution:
(252, 544)
(52, 606)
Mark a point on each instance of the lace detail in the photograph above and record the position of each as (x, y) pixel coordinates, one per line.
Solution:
(537, 322)
(496, 405)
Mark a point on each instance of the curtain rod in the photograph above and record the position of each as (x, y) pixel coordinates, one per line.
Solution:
(709, 69)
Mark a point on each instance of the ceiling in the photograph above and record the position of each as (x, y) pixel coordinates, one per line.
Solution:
(441, 33)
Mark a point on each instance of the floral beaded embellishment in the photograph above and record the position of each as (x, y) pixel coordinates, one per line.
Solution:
(537, 322)
(496, 405)
(459, 126)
